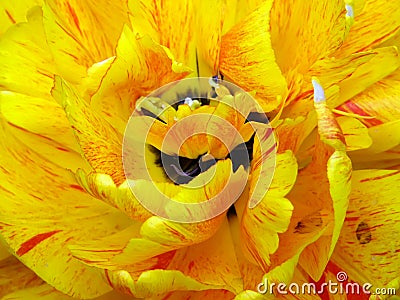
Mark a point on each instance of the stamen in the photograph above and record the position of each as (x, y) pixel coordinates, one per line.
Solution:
(319, 93)
(193, 104)
(350, 11)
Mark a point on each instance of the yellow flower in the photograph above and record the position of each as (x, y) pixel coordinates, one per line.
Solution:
(326, 74)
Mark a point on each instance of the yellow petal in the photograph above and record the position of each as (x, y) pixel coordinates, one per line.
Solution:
(247, 58)
(207, 294)
(124, 250)
(56, 212)
(179, 234)
(344, 78)
(252, 295)
(169, 24)
(47, 292)
(302, 232)
(368, 247)
(380, 101)
(291, 133)
(25, 60)
(244, 8)
(385, 136)
(41, 292)
(378, 21)
(95, 74)
(41, 125)
(82, 33)
(260, 225)
(355, 133)
(329, 176)
(156, 234)
(306, 39)
(4, 252)
(251, 273)
(14, 12)
(140, 66)
(103, 187)
(14, 275)
(214, 19)
(155, 283)
(221, 268)
(100, 143)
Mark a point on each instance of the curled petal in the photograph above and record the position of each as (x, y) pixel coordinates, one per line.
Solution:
(71, 38)
(99, 142)
(190, 269)
(378, 21)
(169, 24)
(248, 59)
(355, 133)
(270, 216)
(140, 66)
(103, 187)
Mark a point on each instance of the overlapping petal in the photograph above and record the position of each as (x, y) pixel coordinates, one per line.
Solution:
(14, 275)
(320, 198)
(14, 12)
(379, 103)
(26, 63)
(248, 59)
(304, 26)
(377, 22)
(41, 125)
(100, 143)
(368, 248)
(71, 38)
(57, 212)
(344, 78)
(169, 24)
(260, 225)
(141, 65)
(187, 269)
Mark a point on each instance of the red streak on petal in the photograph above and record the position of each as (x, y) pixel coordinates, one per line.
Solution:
(354, 108)
(77, 187)
(10, 16)
(379, 177)
(74, 16)
(34, 241)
